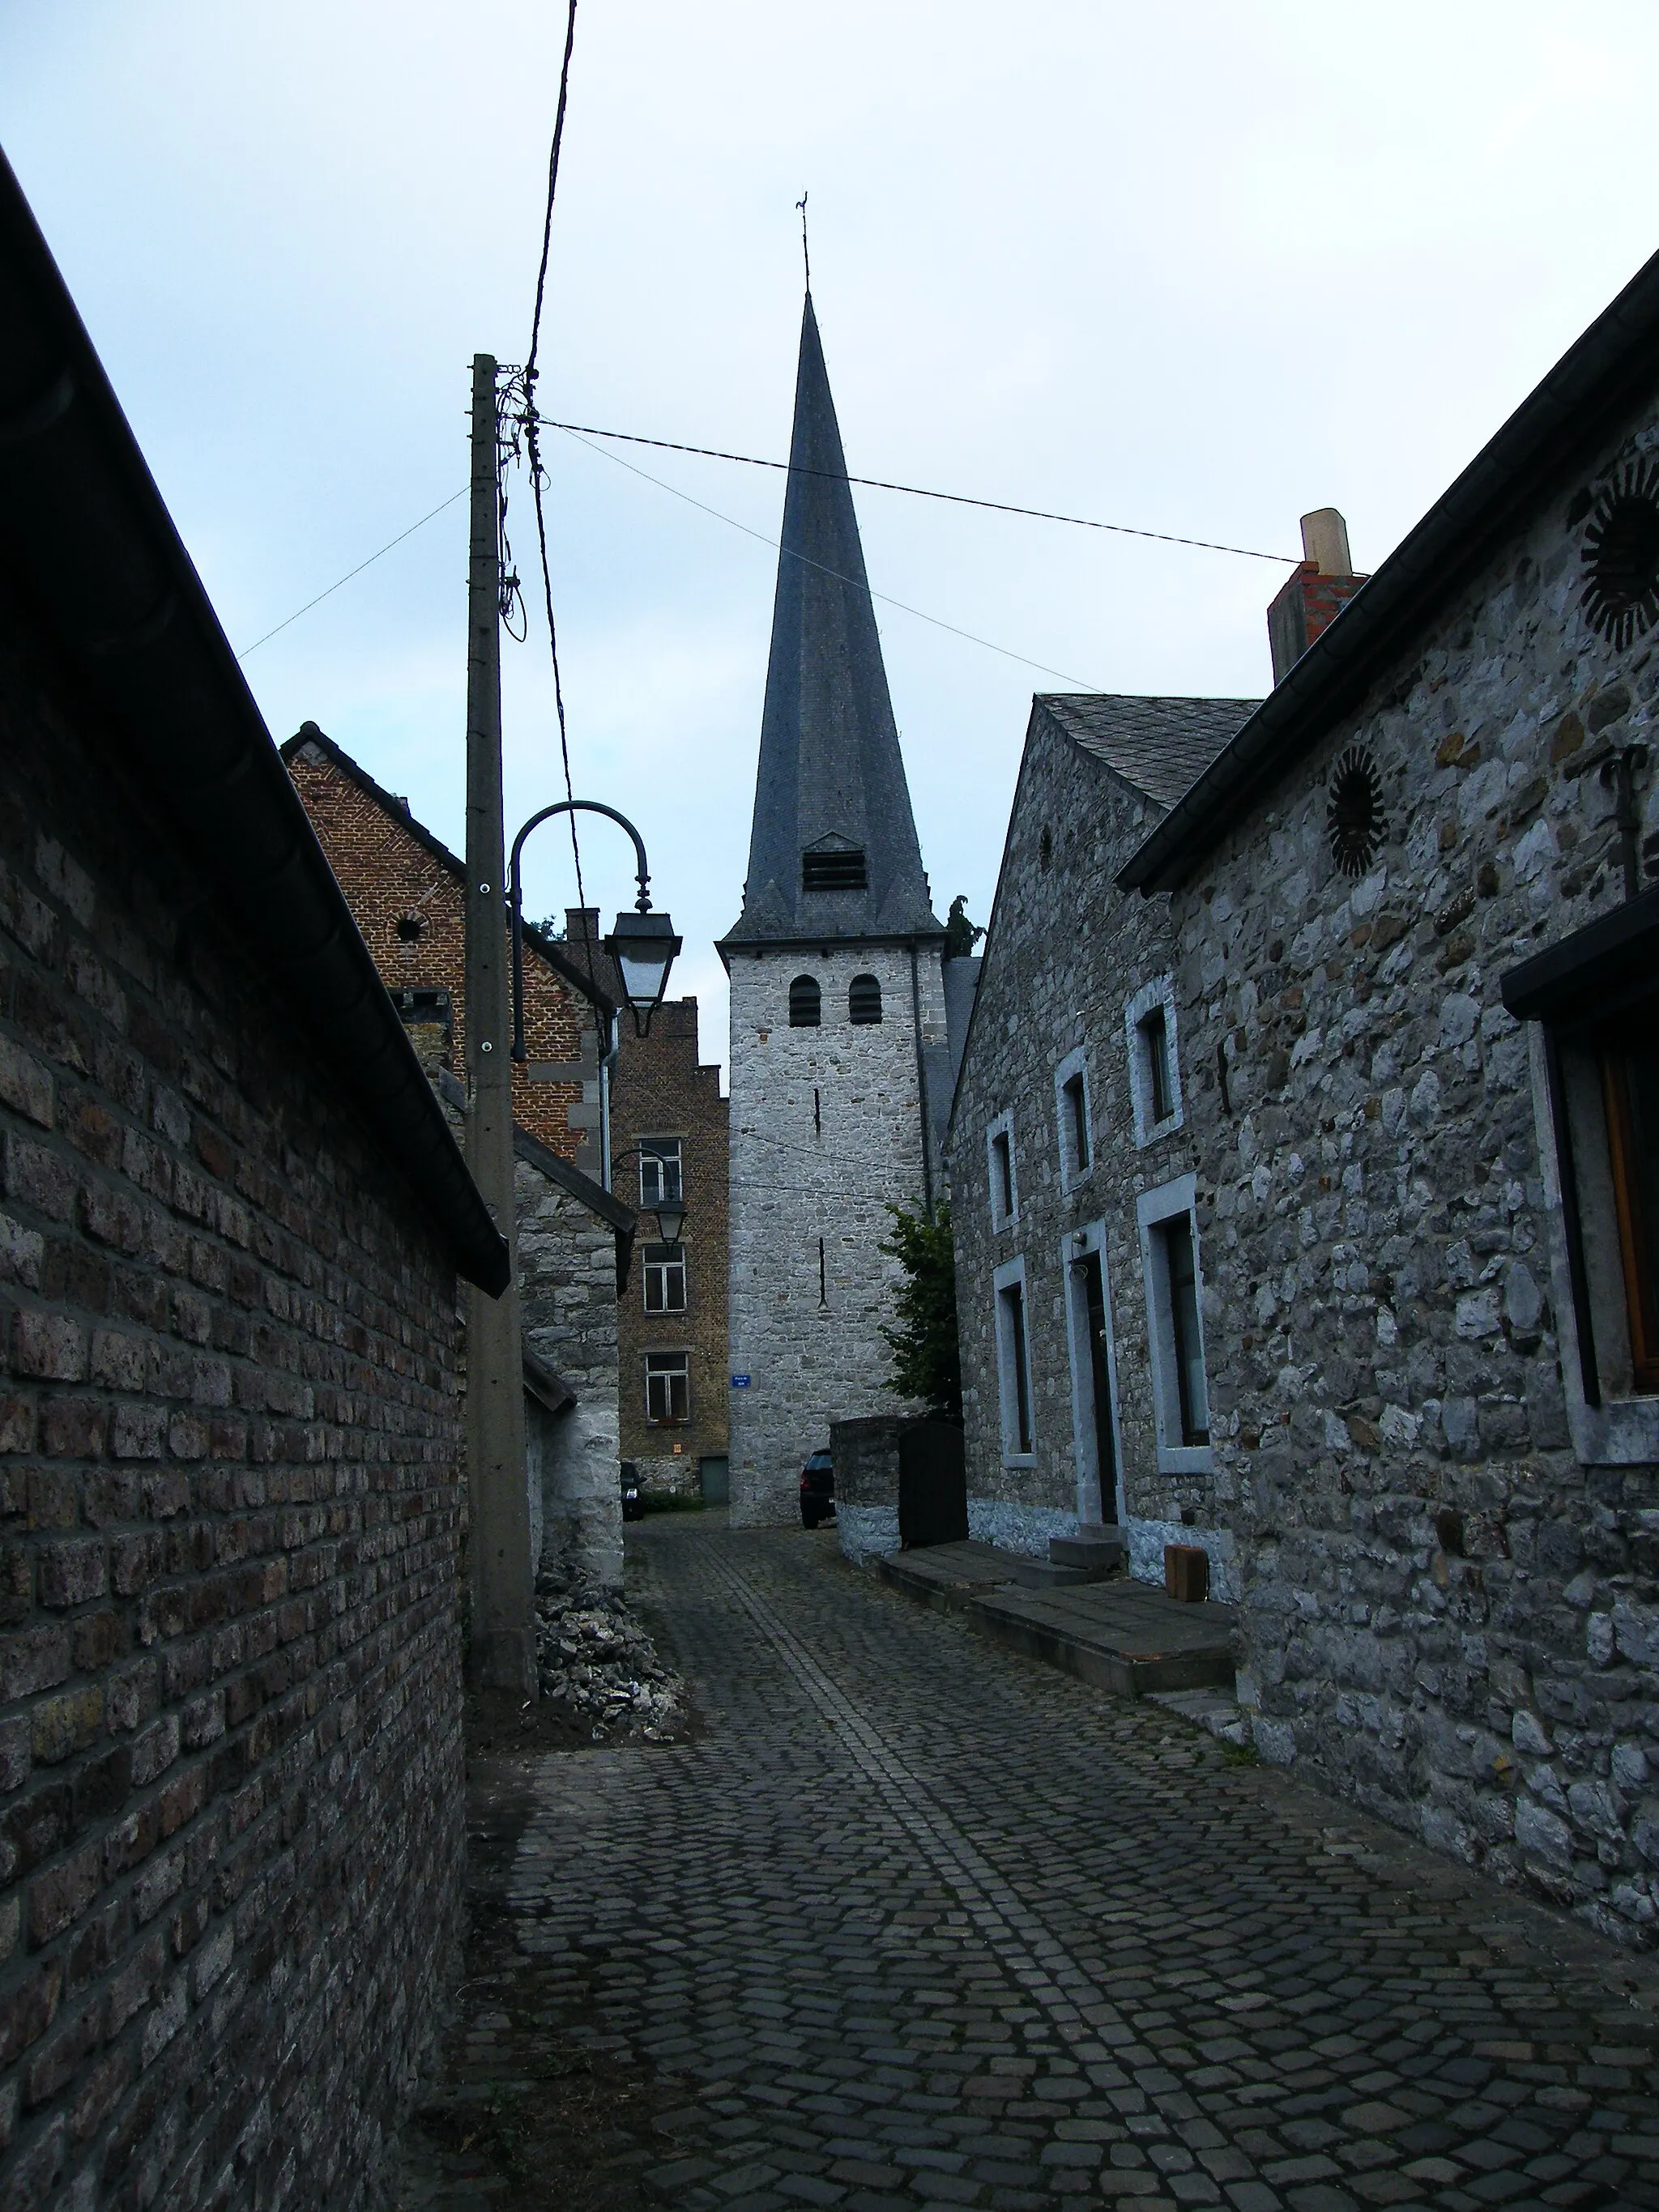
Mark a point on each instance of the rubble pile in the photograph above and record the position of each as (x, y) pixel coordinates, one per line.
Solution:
(598, 1662)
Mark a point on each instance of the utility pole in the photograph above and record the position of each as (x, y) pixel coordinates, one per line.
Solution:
(503, 1573)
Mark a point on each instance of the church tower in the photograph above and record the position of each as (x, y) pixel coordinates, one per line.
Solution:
(839, 1067)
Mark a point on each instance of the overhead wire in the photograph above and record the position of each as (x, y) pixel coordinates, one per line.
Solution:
(938, 621)
(921, 491)
(532, 421)
(441, 507)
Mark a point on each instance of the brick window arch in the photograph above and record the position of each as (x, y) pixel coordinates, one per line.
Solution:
(805, 1003)
(864, 1000)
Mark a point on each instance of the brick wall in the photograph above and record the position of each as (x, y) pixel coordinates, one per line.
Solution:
(394, 873)
(660, 1091)
(231, 1834)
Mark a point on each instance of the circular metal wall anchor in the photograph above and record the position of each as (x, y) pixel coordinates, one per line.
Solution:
(1355, 821)
(1621, 554)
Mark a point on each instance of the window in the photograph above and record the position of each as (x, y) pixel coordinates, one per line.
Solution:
(1169, 1262)
(1000, 1154)
(659, 1170)
(667, 1386)
(805, 1003)
(1181, 1272)
(1154, 1067)
(1013, 1361)
(1072, 1114)
(1155, 1043)
(1629, 1083)
(1593, 999)
(664, 1279)
(835, 870)
(864, 1001)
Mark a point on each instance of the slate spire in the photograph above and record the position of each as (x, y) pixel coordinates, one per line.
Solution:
(833, 852)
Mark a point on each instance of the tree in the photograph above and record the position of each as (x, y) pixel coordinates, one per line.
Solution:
(927, 1358)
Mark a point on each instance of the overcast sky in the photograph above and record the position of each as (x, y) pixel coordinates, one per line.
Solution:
(1195, 267)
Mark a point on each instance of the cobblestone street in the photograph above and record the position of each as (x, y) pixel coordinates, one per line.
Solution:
(916, 1920)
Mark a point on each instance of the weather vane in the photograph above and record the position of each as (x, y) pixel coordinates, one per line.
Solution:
(805, 255)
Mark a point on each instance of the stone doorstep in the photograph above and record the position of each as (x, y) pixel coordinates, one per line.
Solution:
(1126, 1638)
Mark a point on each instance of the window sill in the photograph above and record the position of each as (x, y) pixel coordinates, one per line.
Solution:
(1186, 1459)
(1018, 1463)
(1619, 1432)
(1158, 1130)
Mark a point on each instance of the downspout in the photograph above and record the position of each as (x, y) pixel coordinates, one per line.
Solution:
(922, 1084)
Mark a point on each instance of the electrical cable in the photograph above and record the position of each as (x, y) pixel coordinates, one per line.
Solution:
(920, 491)
(438, 510)
(530, 421)
(760, 536)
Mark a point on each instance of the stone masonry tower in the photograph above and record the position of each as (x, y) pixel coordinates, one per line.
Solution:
(839, 1068)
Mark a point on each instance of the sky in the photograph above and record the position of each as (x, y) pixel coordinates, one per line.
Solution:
(1195, 267)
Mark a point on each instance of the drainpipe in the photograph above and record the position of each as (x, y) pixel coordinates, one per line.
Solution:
(1619, 774)
(921, 1083)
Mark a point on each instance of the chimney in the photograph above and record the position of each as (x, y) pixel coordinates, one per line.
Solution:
(1318, 588)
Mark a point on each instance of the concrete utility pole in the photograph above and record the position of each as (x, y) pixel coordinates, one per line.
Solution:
(503, 1573)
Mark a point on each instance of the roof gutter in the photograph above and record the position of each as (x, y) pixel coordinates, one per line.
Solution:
(88, 537)
(1598, 378)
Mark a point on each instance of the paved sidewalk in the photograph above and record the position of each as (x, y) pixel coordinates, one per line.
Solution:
(919, 1921)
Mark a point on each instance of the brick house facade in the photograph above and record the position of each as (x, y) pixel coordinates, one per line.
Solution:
(673, 1308)
(575, 1242)
(231, 1215)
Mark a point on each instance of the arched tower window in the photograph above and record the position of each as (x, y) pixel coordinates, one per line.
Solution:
(864, 1000)
(805, 1003)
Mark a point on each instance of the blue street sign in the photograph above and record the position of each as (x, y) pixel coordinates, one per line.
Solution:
(739, 1382)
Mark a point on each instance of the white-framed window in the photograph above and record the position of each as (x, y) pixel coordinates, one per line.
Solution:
(1071, 1116)
(1014, 1364)
(660, 1175)
(1175, 1324)
(664, 1272)
(1149, 1025)
(1004, 1175)
(667, 1386)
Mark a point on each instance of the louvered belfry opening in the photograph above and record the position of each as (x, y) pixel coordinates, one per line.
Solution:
(864, 1001)
(842, 871)
(805, 1003)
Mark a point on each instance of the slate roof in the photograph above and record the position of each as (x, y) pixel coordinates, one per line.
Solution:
(831, 775)
(1161, 746)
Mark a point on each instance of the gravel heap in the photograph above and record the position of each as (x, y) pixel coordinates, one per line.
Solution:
(599, 1665)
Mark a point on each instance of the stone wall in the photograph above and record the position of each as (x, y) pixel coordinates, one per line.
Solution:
(568, 1301)
(231, 1830)
(1065, 956)
(1451, 1608)
(867, 1457)
(826, 1131)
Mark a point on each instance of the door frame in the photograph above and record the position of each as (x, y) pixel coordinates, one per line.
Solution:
(1081, 1245)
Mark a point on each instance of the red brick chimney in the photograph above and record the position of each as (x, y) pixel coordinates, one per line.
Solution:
(1316, 592)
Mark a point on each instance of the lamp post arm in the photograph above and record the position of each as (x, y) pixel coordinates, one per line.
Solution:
(642, 904)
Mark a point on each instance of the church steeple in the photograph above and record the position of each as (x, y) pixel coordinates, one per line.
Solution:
(833, 852)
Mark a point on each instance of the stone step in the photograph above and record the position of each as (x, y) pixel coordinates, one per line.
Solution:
(1096, 1548)
(1055, 1574)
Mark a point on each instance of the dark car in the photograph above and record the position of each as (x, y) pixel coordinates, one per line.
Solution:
(633, 1509)
(817, 1490)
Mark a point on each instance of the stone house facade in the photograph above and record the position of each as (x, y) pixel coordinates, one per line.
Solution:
(232, 1829)
(1063, 1165)
(575, 1240)
(1410, 978)
(1409, 923)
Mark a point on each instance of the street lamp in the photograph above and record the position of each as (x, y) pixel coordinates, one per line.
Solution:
(643, 944)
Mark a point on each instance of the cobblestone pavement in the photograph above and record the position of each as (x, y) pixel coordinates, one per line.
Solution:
(918, 1921)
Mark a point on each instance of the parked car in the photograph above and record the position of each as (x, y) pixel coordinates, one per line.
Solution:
(633, 1510)
(817, 1490)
